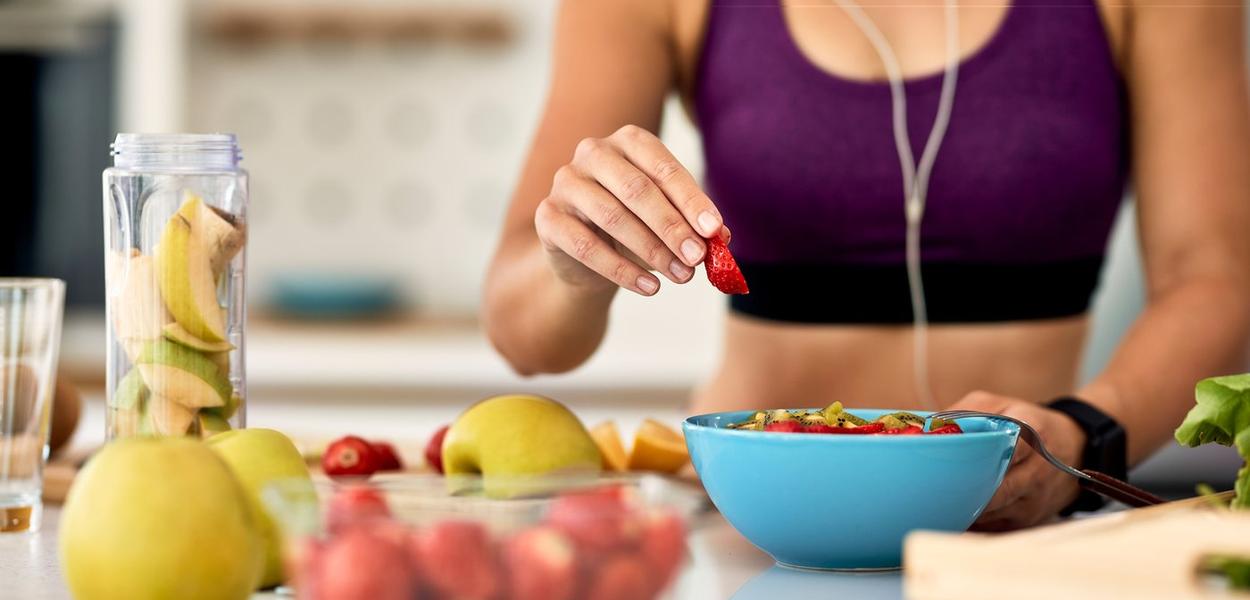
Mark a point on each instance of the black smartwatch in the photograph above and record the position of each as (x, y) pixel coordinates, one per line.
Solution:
(1106, 448)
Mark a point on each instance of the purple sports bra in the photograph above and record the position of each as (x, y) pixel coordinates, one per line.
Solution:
(1022, 197)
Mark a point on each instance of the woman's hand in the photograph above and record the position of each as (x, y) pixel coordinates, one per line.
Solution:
(1033, 490)
(622, 207)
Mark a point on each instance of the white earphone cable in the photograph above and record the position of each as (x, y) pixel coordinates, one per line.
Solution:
(915, 177)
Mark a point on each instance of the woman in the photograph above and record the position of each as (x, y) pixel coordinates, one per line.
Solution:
(1056, 105)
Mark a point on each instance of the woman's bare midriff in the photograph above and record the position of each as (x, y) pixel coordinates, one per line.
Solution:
(769, 364)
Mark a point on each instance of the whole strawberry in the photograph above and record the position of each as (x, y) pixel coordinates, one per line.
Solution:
(388, 458)
(722, 269)
(434, 449)
(350, 456)
(354, 505)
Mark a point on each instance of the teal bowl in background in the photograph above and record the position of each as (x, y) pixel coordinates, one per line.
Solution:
(829, 501)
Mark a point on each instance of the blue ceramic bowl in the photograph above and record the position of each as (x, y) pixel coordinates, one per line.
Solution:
(828, 501)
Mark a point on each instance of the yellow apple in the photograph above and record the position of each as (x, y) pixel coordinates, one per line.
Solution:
(186, 267)
(260, 457)
(157, 518)
(518, 435)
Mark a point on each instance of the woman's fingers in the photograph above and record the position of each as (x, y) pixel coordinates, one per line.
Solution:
(1021, 479)
(1022, 452)
(650, 155)
(566, 233)
(600, 207)
(622, 206)
(636, 191)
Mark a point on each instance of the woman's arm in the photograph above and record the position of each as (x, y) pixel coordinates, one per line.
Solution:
(1191, 164)
(609, 67)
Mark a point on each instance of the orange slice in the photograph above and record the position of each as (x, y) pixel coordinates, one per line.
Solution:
(609, 441)
(658, 447)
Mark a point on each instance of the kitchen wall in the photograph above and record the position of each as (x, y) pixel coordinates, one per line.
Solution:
(392, 157)
(398, 156)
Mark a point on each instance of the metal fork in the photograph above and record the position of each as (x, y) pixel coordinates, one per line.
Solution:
(1095, 481)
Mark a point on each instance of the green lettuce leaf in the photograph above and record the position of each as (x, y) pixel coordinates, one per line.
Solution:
(1235, 569)
(1222, 416)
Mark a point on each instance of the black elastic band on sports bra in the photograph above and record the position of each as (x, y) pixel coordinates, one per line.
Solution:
(954, 292)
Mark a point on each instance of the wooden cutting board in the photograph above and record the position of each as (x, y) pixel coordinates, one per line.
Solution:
(1145, 554)
(59, 473)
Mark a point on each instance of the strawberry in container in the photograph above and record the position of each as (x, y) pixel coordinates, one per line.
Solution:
(410, 538)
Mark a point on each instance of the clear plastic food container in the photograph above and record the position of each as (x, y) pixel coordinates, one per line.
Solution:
(175, 232)
(557, 538)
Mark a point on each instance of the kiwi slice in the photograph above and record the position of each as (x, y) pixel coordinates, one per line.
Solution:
(891, 422)
(835, 416)
(905, 417)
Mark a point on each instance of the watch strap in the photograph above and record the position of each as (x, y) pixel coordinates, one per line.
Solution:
(1106, 447)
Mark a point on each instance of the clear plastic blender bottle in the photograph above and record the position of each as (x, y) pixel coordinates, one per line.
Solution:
(175, 234)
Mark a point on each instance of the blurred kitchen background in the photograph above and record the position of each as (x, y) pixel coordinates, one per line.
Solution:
(383, 138)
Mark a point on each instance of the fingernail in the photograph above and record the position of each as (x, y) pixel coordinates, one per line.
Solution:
(709, 223)
(680, 271)
(692, 250)
(647, 285)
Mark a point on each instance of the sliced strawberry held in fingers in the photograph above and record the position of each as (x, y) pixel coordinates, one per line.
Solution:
(722, 269)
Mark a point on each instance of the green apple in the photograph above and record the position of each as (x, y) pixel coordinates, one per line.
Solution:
(175, 332)
(130, 392)
(185, 274)
(183, 375)
(129, 400)
(212, 424)
(227, 410)
(125, 422)
(162, 416)
(261, 457)
(159, 518)
(518, 435)
(221, 360)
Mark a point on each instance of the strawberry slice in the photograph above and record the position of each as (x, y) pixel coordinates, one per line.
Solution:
(864, 429)
(722, 269)
(908, 430)
(784, 427)
(945, 429)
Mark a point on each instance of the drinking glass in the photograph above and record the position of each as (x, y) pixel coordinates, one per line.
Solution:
(30, 338)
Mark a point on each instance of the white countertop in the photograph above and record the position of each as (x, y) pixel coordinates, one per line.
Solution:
(722, 565)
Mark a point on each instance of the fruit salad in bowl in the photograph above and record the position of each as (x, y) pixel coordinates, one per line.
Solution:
(835, 419)
(413, 537)
(835, 488)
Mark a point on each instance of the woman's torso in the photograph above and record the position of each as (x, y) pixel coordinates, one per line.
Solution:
(814, 59)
